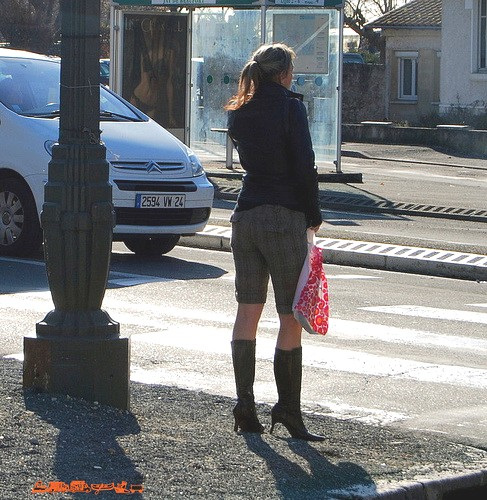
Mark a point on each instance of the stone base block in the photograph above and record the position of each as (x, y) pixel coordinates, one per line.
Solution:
(92, 369)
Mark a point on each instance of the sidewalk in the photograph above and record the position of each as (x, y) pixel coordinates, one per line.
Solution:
(435, 247)
(181, 444)
(406, 153)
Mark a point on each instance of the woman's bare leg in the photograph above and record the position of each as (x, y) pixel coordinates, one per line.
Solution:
(289, 337)
(246, 322)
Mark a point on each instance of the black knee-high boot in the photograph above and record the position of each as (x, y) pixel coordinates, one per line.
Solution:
(243, 356)
(287, 411)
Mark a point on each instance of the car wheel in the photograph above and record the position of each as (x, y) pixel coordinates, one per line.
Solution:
(152, 247)
(20, 231)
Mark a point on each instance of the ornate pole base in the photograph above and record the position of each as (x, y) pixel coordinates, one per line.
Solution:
(83, 324)
(89, 368)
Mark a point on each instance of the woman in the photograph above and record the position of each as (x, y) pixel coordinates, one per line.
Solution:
(278, 202)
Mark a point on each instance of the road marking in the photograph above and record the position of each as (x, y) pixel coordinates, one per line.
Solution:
(152, 316)
(431, 312)
(477, 305)
(352, 277)
(216, 340)
(19, 356)
(231, 277)
(356, 330)
(225, 385)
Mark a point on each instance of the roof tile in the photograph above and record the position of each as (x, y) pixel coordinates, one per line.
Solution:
(417, 13)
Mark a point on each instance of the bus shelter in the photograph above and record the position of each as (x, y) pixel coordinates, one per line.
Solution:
(179, 61)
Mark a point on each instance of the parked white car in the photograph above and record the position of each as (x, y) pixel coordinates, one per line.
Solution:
(160, 190)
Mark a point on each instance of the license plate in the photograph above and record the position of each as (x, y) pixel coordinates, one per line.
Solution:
(160, 200)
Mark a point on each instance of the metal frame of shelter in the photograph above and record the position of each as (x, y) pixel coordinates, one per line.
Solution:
(179, 61)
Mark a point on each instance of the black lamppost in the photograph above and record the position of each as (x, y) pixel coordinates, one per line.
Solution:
(78, 349)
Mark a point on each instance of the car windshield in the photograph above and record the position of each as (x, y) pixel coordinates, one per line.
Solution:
(30, 87)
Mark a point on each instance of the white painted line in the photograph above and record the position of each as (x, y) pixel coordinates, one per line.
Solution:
(477, 305)
(149, 315)
(352, 277)
(358, 277)
(216, 340)
(431, 312)
(19, 356)
(356, 330)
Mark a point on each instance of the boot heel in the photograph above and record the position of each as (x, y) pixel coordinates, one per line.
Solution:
(246, 419)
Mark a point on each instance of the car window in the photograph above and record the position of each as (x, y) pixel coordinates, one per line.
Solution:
(351, 57)
(30, 87)
(104, 68)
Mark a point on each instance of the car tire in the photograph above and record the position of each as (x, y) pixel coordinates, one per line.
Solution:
(152, 246)
(20, 231)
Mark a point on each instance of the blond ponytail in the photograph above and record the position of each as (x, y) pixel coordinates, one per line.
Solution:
(268, 62)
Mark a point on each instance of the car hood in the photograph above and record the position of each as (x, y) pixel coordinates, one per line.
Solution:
(141, 141)
(134, 141)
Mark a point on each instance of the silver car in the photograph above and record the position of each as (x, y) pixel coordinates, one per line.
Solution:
(160, 190)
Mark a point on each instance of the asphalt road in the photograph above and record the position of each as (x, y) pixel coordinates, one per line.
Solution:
(397, 176)
(403, 350)
(445, 234)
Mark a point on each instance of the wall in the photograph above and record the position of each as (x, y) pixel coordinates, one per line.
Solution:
(427, 42)
(461, 84)
(363, 93)
(471, 142)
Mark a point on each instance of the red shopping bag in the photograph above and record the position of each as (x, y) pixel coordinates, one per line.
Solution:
(310, 305)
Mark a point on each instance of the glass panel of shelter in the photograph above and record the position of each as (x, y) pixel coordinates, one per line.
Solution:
(223, 40)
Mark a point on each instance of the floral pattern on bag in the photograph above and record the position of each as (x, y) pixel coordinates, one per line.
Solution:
(312, 309)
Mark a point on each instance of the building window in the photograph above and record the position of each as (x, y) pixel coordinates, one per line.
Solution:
(407, 75)
(483, 35)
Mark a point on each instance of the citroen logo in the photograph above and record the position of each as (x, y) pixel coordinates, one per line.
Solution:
(152, 166)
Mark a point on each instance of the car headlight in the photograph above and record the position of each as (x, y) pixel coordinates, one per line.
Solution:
(196, 166)
(48, 146)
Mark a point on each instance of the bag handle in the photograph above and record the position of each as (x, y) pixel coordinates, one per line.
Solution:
(311, 236)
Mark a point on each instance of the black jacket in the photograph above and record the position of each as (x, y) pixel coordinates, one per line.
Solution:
(272, 138)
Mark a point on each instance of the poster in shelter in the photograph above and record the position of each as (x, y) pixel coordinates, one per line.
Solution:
(308, 35)
(154, 70)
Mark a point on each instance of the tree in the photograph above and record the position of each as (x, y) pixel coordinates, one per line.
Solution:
(30, 24)
(360, 12)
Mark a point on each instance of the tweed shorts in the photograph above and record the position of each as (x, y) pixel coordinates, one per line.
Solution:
(269, 240)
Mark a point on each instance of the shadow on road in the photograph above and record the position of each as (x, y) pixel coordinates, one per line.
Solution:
(18, 275)
(165, 267)
(310, 475)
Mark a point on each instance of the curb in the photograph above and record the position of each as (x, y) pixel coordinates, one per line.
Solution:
(364, 156)
(427, 261)
(460, 487)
